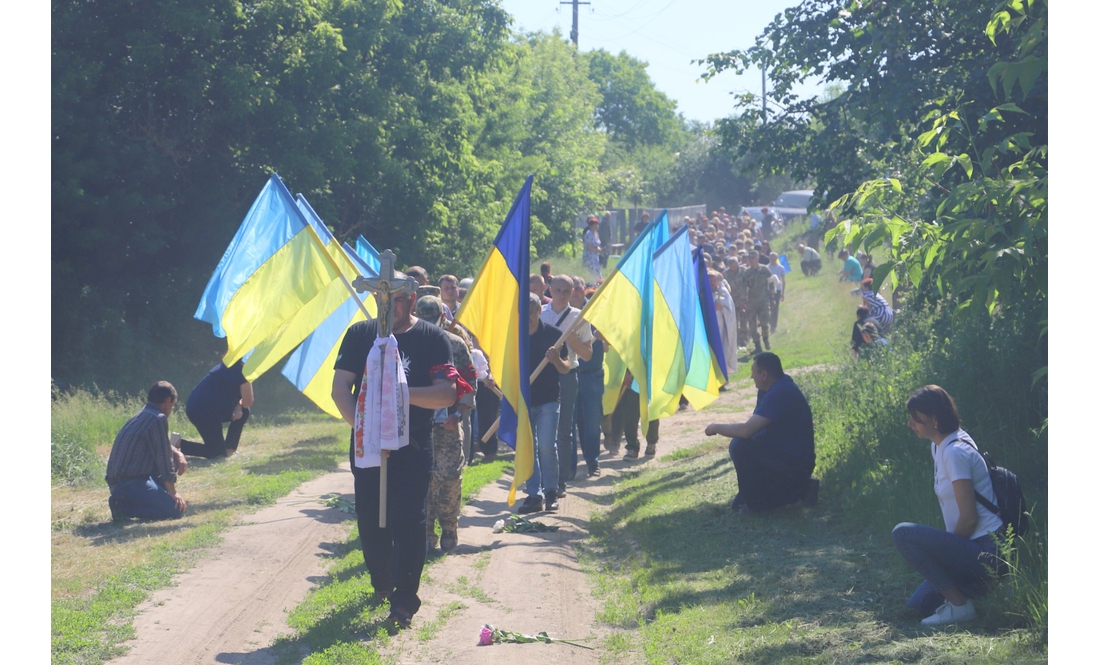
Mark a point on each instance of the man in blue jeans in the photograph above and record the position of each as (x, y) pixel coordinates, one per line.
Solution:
(543, 410)
(773, 452)
(143, 465)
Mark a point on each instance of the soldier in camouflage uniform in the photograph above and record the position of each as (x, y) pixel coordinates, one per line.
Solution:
(758, 299)
(735, 277)
(445, 489)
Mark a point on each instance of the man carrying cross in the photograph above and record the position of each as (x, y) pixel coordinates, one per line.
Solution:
(395, 553)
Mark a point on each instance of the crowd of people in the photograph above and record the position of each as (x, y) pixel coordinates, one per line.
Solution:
(454, 404)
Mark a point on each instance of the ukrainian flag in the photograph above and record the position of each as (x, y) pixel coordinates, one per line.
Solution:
(290, 334)
(275, 265)
(368, 253)
(706, 372)
(496, 312)
(675, 306)
(622, 308)
(310, 367)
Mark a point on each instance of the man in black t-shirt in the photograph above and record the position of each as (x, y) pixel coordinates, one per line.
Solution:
(223, 396)
(395, 554)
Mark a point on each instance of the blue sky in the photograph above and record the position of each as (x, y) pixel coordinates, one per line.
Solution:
(668, 34)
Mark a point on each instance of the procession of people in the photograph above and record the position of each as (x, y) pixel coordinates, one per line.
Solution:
(449, 403)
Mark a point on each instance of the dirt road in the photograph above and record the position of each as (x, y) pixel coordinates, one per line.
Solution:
(230, 607)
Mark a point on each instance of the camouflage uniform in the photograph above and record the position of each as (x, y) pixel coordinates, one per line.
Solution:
(736, 280)
(445, 489)
(757, 304)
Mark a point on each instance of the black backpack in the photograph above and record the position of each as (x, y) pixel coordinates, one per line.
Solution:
(1011, 505)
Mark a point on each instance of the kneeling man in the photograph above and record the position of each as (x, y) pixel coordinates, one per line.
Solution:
(773, 452)
(143, 465)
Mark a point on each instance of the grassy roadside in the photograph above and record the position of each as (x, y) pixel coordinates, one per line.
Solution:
(690, 582)
(340, 621)
(101, 571)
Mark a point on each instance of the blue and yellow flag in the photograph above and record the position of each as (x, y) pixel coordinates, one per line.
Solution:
(496, 312)
(368, 253)
(274, 266)
(675, 306)
(310, 367)
(707, 370)
(622, 308)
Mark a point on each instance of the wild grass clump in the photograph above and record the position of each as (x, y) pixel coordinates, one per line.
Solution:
(81, 420)
(881, 474)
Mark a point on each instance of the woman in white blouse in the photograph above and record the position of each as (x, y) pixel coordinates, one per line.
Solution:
(954, 562)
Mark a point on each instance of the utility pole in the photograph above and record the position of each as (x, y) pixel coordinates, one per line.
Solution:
(574, 34)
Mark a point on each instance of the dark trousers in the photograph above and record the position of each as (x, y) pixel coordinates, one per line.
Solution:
(589, 413)
(214, 443)
(144, 498)
(766, 478)
(395, 555)
(488, 408)
(625, 421)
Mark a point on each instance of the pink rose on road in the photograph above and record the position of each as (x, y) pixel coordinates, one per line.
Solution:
(486, 637)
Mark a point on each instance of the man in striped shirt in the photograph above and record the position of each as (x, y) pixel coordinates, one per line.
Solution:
(143, 465)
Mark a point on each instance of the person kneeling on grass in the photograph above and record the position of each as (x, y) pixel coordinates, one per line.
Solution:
(773, 452)
(143, 465)
(955, 563)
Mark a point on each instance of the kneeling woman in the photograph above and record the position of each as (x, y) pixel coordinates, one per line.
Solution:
(955, 563)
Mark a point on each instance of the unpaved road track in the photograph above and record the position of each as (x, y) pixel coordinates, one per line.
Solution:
(231, 606)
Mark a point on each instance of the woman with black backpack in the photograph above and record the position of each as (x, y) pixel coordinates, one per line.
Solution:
(955, 562)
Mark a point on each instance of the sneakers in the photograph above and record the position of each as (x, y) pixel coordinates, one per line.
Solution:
(551, 500)
(593, 470)
(811, 493)
(631, 454)
(651, 450)
(948, 613)
(532, 504)
(448, 541)
(767, 344)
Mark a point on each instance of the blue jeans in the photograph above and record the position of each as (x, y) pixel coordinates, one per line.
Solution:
(544, 425)
(145, 498)
(589, 414)
(944, 560)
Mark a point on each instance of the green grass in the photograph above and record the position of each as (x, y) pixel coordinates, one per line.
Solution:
(80, 422)
(693, 583)
(341, 622)
(102, 570)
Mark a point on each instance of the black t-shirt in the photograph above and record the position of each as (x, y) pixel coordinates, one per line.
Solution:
(423, 348)
(544, 389)
(218, 392)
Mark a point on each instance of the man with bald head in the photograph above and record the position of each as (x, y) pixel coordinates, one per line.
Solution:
(560, 315)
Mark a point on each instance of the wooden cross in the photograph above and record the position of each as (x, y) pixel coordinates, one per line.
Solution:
(384, 287)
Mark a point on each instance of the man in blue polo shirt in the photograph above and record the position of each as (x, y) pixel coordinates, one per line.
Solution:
(773, 451)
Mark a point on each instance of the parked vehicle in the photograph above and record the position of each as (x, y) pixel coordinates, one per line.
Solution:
(787, 206)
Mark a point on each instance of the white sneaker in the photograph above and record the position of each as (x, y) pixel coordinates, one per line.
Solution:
(948, 613)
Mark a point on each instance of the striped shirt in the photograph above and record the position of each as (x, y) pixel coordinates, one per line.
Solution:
(880, 310)
(141, 449)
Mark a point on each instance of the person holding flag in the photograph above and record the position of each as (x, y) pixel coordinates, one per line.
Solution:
(395, 554)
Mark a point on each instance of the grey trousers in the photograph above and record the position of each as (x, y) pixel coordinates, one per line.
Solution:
(567, 385)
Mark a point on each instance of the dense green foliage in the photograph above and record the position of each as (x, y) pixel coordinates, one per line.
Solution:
(412, 123)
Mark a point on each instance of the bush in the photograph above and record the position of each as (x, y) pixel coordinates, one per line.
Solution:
(881, 473)
(80, 421)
